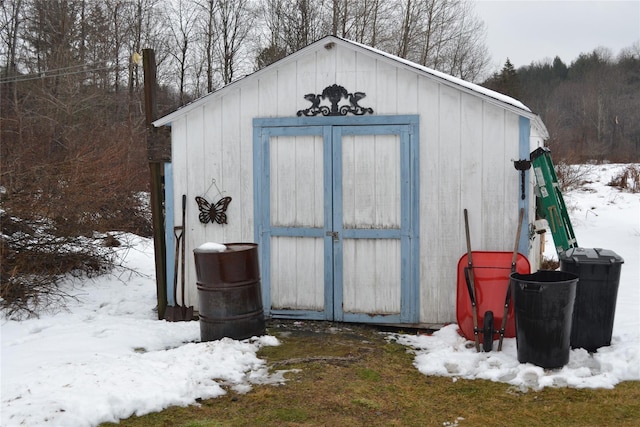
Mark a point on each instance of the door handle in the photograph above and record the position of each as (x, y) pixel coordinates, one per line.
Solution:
(334, 234)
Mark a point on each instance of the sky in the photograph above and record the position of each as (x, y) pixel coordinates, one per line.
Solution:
(107, 357)
(527, 31)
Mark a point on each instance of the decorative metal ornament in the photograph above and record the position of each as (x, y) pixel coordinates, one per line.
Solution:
(335, 93)
(216, 212)
(213, 213)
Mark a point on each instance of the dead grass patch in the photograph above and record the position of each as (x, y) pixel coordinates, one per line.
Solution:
(549, 264)
(349, 375)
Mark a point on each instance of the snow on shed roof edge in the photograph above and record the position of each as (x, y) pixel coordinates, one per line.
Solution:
(447, 77)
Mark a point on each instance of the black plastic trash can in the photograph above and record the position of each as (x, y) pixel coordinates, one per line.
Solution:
(596, 294)
(543, 303)
(229, 292)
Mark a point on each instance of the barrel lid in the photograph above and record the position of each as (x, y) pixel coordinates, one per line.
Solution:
(590, 256)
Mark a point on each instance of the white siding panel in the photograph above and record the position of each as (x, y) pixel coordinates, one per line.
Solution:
(325, 70)
(212, 176)
(511, 189)
(309, 200)
(248, 110)
(371, 181)
(194, 176)
(283, 186)
(179, 150)
(267, 94)
(386, 88)
(407, 92)
(231, 173)
(204, 166)
(304, 81)
(297, 194)
(447, 242)
(285, 101)
(493, 210)
(371, 276)
(472, 171)
(501, 181)
(429, 109)
(297, 273)
(348, 70)
(366, 81)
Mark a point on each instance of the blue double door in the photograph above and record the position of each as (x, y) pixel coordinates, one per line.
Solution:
(336, 208)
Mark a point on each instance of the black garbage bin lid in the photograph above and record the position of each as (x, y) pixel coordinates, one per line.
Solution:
(590, 256)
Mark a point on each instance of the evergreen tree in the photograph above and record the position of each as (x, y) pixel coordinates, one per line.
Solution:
(560, 70)
(509, 80)
(506, 81)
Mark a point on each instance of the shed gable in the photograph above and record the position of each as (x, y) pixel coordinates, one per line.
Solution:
(334, 60)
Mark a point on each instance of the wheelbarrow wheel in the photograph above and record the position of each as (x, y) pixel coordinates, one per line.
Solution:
(487, 331)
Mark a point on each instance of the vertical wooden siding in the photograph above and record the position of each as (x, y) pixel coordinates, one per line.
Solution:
(467, 147)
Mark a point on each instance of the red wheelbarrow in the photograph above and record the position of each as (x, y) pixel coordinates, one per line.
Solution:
(483, 291)
(491, 272)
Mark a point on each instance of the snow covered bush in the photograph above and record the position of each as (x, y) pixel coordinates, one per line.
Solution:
(34, 260)
(628, 179)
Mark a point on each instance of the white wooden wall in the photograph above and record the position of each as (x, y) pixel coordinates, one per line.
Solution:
(468, 144)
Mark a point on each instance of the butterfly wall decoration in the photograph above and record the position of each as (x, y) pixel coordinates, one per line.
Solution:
(213, 212)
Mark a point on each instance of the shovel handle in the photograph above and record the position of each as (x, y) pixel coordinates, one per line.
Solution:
(514, 260)
(182, 253)
(468, 275)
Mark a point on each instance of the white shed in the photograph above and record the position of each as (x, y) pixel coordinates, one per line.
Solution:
(351, 168)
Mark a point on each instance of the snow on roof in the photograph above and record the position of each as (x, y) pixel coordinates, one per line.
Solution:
(445, 78)
(455, 80)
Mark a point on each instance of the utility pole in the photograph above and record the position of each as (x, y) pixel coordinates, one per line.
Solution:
(156, 141)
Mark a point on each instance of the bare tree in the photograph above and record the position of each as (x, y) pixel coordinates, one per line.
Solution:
(208, 34)
(235, 20)
(67, 163)
(411, 17)
(274, 46)
(182, 15)
(370, 22)
(467, 56)
(293, 24)
(442, 34)
(11, 19)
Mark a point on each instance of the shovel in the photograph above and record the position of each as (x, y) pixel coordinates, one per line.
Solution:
(179, 313)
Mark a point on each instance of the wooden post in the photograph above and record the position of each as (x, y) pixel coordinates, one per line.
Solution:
(156, 170)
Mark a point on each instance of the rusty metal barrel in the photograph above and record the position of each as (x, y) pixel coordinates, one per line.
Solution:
(229, 292)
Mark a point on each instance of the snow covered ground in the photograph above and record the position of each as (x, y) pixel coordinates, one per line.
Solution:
(602, 217)
(106, 357)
